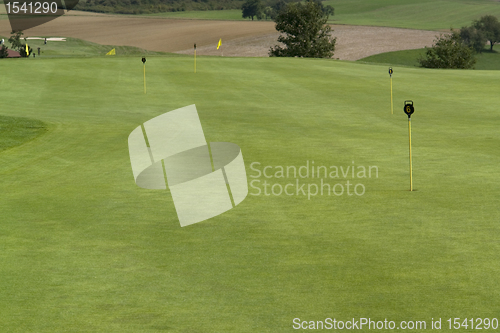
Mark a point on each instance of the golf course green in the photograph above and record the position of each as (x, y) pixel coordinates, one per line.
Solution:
(83, 249)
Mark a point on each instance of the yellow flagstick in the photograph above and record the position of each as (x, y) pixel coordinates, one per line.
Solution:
(409, 109)
(390, 74)
(392, 112)
(195, 57)
(144, 62)
(411, 166)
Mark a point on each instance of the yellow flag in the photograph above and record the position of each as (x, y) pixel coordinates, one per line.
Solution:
(220, 43)
(28, 50)
(112, 52)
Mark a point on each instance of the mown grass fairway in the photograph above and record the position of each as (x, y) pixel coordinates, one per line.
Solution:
(83, 249)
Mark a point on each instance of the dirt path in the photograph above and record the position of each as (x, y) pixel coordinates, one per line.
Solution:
(239, 38)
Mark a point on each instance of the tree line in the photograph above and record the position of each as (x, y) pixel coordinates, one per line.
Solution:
(260, 9)
(157, 6)
(154, 6)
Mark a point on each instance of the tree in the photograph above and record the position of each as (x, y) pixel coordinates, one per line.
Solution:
(16, 44)
(277, 8)
(15, 40)
(328, 10)
(449, 51)
(304, 32)
(268, 11)
(490, 27)
(473, 37)
(252, 8)
(3, 52)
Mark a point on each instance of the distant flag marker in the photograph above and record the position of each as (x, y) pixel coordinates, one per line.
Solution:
(112, 52)
(27, 50)
(219, 46)
(390, 74)
(195, 57)
(144, 63)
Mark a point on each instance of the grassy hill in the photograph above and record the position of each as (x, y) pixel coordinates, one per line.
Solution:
(485, 61)
(74, 47)
(412, 14)
(82, 248)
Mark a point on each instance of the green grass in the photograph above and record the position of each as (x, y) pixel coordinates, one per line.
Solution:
(15, 131)
(485, 61)
(413, 14)
(74, 47)
(401, 58)
(488, 60)
(83, 249)
(230, 14)
(3, 12)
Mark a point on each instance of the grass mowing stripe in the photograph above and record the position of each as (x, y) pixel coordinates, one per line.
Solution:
(14, 131)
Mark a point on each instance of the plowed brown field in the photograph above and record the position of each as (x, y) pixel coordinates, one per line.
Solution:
(240, 38)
